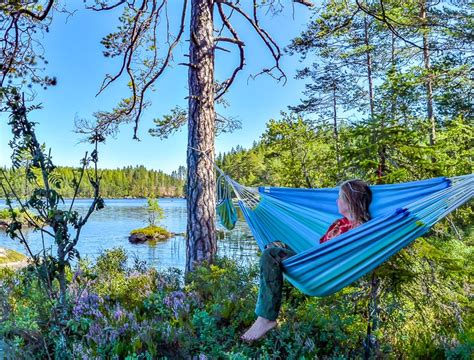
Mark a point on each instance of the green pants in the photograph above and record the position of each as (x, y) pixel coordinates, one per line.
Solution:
(271, 282)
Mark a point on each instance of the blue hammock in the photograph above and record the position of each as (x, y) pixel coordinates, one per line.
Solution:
(299, 217)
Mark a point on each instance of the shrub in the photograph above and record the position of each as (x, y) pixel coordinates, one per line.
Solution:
(153, 231)
(116, 311)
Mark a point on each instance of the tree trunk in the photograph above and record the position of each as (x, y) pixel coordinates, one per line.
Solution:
(429, 80)
(380, 149)
(369, 68)
(371, 88)
(382, 170)
(201, 228)
(371, 341)
(393, 60)
(372, 346)
(335, 131)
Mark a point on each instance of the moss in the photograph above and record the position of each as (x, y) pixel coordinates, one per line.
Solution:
(153, 231)
(9, 256)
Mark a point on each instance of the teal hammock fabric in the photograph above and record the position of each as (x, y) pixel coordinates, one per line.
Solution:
(225, 208)
(299, 217)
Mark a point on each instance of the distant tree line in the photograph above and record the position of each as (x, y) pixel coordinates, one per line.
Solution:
(127, 182)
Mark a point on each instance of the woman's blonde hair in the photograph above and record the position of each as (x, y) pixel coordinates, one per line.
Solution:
(358, 196)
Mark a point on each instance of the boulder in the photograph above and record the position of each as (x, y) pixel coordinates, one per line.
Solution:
(138, 238)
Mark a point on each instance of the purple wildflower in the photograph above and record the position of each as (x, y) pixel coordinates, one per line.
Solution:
(88, 305)
(176, 301)
(118, 313)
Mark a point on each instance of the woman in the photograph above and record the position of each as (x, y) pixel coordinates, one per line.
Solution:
(353, 203)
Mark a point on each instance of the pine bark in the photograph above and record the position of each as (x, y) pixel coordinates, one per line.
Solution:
(201, 227)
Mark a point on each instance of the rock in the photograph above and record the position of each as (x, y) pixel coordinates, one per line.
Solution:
(138, 238)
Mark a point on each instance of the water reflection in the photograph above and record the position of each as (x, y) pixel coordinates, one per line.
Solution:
(111, 226)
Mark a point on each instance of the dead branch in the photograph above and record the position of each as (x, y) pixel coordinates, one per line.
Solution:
(384, 19)
(304, 2)
(236, 40)
(266, 38)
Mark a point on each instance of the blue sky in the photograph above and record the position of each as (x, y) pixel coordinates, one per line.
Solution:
(74, 53)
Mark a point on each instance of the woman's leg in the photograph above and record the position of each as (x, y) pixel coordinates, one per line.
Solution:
(270, 292)
(271, 282)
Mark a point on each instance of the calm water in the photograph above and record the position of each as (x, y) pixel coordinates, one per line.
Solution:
(110, 227)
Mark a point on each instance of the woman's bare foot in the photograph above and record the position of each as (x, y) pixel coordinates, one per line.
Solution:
(259, 328)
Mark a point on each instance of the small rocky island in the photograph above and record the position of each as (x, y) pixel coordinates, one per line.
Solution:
(151, 232)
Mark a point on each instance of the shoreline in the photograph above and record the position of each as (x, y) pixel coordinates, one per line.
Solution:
(120, 198)
(18, 260)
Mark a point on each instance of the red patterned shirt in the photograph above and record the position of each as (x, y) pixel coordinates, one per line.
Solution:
(338, 227)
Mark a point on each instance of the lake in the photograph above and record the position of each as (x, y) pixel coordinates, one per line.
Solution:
(110, 227)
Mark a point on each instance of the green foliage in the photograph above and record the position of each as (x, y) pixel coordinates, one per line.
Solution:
(23, 216)
(139, 312)
(128, 286)
(111, 261)
(302, 150)
(5, 214)
(152, 231)
(155, 211)
(294, 153)
(49, 273)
